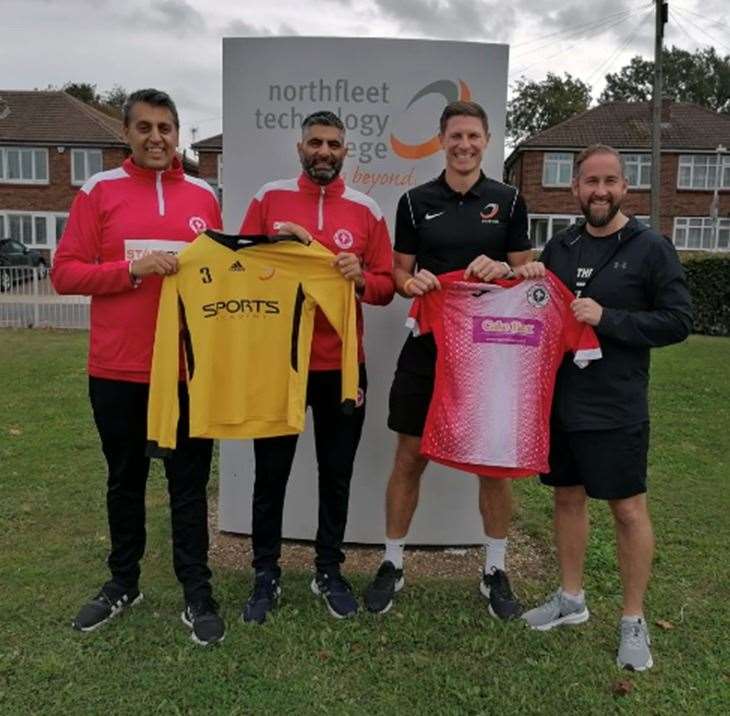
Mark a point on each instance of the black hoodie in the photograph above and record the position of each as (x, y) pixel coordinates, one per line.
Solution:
(646, 304)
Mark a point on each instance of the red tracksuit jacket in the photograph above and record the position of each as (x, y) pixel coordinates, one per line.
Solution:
(341, 219)
(117, 216)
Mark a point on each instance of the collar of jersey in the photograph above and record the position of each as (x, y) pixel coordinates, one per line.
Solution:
(308, 185)
(473, 189)
(174, 172)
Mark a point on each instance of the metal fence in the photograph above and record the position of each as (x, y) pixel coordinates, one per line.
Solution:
(27, 300)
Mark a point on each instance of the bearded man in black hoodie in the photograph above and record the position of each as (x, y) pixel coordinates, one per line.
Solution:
(631, 288)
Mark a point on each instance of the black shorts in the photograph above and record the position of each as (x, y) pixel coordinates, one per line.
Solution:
(410, 394)
(610, 464)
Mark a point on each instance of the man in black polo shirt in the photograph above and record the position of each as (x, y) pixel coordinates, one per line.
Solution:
(461, 220)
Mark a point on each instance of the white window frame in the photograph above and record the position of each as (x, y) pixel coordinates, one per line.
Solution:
(708, 161)
(80, 181)
(4, 179)
(640, 160)
(706, 225)
(49, 217)
(556, 159)
(571, 218)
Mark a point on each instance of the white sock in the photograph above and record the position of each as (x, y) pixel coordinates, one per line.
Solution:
(394, 551)
(632, 618)
(494, 552)
(579, 597)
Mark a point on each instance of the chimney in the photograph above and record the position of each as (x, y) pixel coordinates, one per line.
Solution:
(666, 110)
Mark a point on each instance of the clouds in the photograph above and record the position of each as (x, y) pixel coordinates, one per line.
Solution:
(451, 19)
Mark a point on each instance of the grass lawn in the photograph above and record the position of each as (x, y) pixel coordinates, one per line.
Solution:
(436, 652)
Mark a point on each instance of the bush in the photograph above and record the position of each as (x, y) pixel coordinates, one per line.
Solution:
(709, 284)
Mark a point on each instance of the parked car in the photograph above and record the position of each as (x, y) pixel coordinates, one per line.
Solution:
(14, 256)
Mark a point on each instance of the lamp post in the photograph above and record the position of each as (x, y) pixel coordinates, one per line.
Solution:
(715, 206)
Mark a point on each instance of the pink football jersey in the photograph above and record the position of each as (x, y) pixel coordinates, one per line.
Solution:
(499, 348)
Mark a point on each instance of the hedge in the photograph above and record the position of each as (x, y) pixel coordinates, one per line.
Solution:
(709, 284)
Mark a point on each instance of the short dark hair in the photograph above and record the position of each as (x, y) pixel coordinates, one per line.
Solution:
(323, 117)
(462, 108)
(155, 97)
(596, 149)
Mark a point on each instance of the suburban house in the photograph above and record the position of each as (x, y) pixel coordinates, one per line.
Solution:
(695, 170)
(210, 161)
(50, 144)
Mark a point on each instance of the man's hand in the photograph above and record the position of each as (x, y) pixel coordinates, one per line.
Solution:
(485, 269)
(421, 283)
(586, 310)
(350, 267)
(288, 228)
(155, 262)
(532, 269)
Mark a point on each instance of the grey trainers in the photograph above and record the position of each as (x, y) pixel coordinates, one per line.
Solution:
(633, 649)
(558, 610)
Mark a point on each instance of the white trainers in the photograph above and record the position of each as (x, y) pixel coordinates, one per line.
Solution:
(633, 649)
(558, 610)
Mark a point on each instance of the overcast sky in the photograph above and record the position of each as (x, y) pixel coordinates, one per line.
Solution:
(176, 44)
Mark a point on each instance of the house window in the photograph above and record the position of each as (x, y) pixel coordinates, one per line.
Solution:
(637, 170)
(28, 228)
(700, 171)
(557, 169)
(701, 233)
(544, 226)
(84, 163)
(61, 221)
(23, 165)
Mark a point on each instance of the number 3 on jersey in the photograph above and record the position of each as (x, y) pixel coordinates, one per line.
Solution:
(205, 275)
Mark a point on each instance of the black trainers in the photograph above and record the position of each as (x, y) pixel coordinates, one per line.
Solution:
(202, 617)
(502, 602)
(109, 602)
(264, 597)
(336, 592)
(379, 594)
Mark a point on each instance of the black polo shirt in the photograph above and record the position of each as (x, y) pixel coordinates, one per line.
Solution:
(446, 230)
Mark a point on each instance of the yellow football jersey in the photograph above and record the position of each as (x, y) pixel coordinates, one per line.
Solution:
(245, 313)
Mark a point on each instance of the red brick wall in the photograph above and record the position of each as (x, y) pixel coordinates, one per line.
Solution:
(59, 193)
(208, 165)
(527, 175)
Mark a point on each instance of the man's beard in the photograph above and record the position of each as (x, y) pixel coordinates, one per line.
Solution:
(319, 174)
(600, 220)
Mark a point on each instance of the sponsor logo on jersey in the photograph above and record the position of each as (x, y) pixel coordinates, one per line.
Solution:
(237, 266)
(343, 238)
(504, 329)
(538, 296)
(139, 248)
(240, 307)
(488, 213)
(197, 225)
(428, 216)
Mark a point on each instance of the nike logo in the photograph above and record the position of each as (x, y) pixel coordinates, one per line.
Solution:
(428, 216)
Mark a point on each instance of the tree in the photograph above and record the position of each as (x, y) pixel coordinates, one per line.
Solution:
(702, 77)
(84, 91)
(538, 105)
(116, 97)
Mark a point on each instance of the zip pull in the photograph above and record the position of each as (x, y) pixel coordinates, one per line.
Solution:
(160, 194)
(320, 214)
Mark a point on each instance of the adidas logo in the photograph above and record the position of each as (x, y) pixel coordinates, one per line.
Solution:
(237, 266)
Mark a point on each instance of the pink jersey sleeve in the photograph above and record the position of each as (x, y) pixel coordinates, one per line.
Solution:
(77, 265)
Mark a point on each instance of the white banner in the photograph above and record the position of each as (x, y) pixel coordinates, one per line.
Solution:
(389, 94)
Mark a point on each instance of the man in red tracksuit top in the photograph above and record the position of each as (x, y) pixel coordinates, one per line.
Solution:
(351, 225)
(123, 232)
